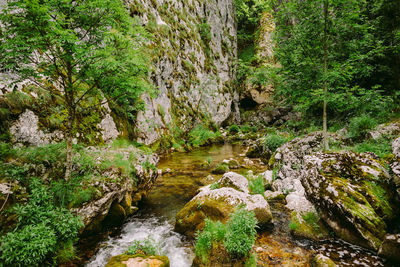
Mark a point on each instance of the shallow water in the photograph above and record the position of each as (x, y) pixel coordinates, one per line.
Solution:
(186, 173)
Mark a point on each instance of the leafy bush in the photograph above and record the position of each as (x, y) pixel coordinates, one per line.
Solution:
(256, 185)
(233, 129)
(213, 231)
(28, 246)
(147, 246)
(200, 135)
(5, 150)
(360, 126)
(240, 233)
(251, 261)
(274, 141)
(214, 186)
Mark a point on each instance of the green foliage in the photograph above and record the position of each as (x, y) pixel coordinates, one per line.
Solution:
(352, 51)
(240, 233)
(256, 185)
(66, 252)
(215, 185)
(201, 135)
(82, 196)
(213, 231)
(381, 147)
(251, 261)
(41, 225)
(293, 226)
(360, 126)
(311, 218)
(233, 129)
(29, 246)
(147, 246)
(6, 150)
(274, 141)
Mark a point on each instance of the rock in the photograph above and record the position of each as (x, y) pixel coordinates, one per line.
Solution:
(353, 193)
(268, 178)
(395, 164)
(385, 130)
(288, 161)
(138, 260)
(108, 128)
(391, 247)
(218, 204)
(321, 261)
(274, 195)
(235, 181)
(307, 225)
(233, 164)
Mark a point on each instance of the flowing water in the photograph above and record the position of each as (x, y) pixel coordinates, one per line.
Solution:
(183, 174)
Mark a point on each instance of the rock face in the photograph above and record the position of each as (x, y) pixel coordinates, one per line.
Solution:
(218, 204)
(118, 195)
(196, 44)
(192, 52)
(391, 247)
(352, 192)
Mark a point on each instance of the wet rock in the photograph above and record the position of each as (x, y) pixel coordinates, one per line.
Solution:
(235, 181)
(258, 150)
(391, 247)
(320, 260)
(352, 192)
(138, 261)
(218, 204)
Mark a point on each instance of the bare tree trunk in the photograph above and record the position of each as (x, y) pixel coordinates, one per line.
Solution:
(324, 116)
(68, 137)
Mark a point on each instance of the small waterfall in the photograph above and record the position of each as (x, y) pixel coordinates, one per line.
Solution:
(178, 252)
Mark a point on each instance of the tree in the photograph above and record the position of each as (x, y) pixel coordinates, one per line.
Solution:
(83, 51)
(325, 47)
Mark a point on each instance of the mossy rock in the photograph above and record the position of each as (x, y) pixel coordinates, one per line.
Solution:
(220, 168)
(217, 205)
(321, 261)
(302, 227)
(353, 193)
(219, 257)
(138, 260)
(115, 217)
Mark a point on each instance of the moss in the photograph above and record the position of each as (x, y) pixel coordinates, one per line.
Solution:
(221, 168)
(307, 225)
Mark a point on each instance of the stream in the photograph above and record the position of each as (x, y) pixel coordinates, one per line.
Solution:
(183, 174)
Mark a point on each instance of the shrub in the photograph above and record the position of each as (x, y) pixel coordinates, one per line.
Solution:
(233, 129)
(213, 231)
(274, 141)
(28, 246)
(360, 126)
(214, 186)
(293, 226)
(201, 135)
(380, 147)
(251, 261)
(147, 246)
(256, 185)
(240, 233)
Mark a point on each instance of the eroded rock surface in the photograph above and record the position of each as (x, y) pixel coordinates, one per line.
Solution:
(352, 192)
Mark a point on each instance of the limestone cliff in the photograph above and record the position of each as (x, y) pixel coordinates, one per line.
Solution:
(193, 51)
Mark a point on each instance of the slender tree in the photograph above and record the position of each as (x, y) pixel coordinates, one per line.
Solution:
(80, 50)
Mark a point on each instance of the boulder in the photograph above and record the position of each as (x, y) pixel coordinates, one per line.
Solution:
(391, 247)
(235, 181)
(274, 195)
(353, 194)
(288, 161)
(268, 178)
(385, 130)
(218, 204)
(320, 260)
(138, 260)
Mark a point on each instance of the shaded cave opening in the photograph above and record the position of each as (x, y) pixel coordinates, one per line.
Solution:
(247, 103)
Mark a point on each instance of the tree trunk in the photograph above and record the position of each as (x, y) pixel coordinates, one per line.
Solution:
(68, 137)
(324, 116)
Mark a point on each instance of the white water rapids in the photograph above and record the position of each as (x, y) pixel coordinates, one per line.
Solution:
(179, 253)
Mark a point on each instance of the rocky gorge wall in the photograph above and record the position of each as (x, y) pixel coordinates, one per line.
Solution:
(193, 52)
